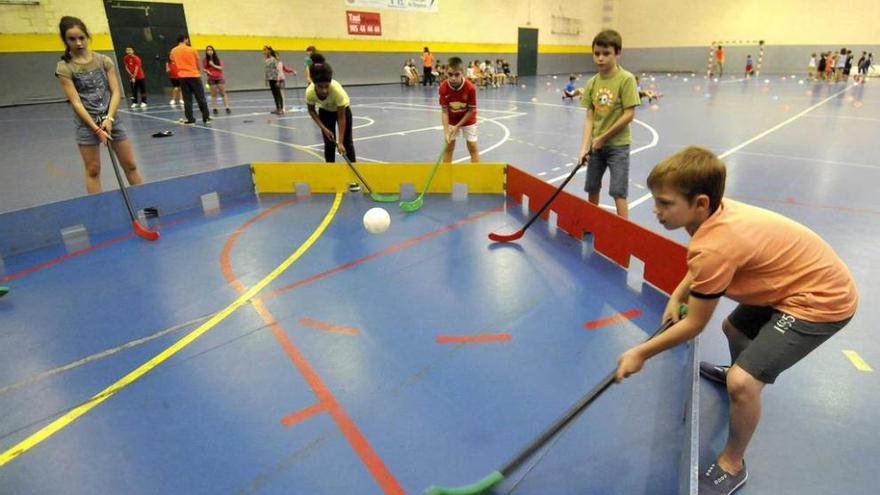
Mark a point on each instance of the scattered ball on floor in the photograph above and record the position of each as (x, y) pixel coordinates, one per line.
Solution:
(377, 220)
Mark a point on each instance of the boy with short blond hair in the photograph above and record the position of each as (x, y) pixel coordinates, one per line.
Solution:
(610, 98)
(794, 293)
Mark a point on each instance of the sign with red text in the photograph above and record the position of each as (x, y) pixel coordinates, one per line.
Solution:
(367, 23)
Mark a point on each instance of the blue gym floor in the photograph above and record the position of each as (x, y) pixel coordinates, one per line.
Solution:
(334, 381)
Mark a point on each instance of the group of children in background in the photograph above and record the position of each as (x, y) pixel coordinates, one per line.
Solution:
(482, 74)
(212, 67)
(835, 67)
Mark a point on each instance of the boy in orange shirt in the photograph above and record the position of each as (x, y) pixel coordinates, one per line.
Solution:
(186, 58)
(793, 292)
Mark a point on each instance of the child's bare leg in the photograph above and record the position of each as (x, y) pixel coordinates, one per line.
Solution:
(593, 197)
(450, 148)
(622, 207)
(126, 159)
(92, 161)
(474, 151)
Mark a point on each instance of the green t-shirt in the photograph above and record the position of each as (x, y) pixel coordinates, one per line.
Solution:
(607, 98)
(336, 99)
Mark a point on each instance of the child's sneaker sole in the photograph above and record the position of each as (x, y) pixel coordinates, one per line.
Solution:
(714, 372)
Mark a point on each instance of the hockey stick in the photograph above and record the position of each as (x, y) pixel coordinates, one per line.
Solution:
(378, 197)
(519, 233)
(139, 229)
(495, 477)
(411, 206)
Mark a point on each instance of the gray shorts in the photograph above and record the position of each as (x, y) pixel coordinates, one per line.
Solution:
(617, 159)
(86, 136)
(778, 340)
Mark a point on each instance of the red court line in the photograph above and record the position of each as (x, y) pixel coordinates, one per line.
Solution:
(79, 252)
(330, 327)
(225, 265)
(100, 245)
(374, 464)
(489, 337)
(626, 315)
(303, 414)
(390, 249)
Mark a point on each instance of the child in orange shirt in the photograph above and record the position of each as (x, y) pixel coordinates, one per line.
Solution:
(794, 293)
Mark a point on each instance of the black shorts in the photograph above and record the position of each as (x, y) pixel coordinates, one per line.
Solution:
(778, 340)
(175, 82)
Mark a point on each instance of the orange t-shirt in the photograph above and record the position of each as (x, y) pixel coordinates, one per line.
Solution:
(759, 257)
(186, 58)
(427, 59)
(719, 55)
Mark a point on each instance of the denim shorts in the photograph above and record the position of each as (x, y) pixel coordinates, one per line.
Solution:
(86, 136)
(615, 158)
(778, 340)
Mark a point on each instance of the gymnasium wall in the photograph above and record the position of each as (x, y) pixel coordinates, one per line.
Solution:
(482, 29)
(675, 35)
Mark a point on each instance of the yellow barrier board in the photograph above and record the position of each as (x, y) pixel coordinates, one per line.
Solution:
(282, 177)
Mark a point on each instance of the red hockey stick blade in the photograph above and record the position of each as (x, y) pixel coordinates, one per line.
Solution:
(506, 238)
(147, 234)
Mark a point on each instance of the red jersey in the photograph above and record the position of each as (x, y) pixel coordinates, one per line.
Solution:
(213, 72)
(133, 65)
(459, 101)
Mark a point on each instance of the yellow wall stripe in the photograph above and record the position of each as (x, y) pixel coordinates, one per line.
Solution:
(47, 43)
(72, 415)
(280, 177)
(101, 41)
(857, 360)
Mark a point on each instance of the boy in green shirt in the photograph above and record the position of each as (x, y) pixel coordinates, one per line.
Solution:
(610, 98)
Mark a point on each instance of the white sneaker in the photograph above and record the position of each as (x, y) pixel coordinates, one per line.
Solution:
(172, 103)
(143, 104)
(134, 105)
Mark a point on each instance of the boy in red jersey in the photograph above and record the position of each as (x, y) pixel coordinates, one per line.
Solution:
(458, 109)
(135, 69)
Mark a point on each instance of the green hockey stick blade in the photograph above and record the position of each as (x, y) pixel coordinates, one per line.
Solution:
(4, 291)
(472, 489)
(385, 198)
(411, 206)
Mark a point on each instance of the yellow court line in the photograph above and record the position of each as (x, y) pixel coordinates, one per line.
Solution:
(857, 360)
(69, 417)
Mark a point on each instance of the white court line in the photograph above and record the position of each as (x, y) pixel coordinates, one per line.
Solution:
(377, 136)
(655, 138)
(732, 80)
(437, 107)
(827, 116)
(361, 126)
(759, 136)
(814, 160)
(214, 129)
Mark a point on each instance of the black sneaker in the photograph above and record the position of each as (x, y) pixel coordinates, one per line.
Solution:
(228, 111)
(215, 111)
(209, 121)
(716, 481)
(714, 372)
(354, 187)
(186, 122)
(151, 212)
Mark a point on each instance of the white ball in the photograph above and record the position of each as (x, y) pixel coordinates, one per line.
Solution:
(377, 220)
